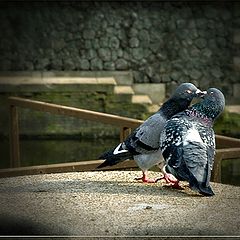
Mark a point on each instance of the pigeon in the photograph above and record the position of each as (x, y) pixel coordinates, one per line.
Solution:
(142, 144)
(188, 145)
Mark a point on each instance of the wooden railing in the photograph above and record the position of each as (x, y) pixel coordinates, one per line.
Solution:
(231, 148)
(125, 124)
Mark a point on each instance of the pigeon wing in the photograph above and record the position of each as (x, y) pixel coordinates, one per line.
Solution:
(145, 138)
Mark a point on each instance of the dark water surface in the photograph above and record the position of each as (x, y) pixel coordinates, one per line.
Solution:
(37, 152)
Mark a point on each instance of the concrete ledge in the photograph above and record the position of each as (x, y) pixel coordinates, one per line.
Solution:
(144, 99)
(156, 91)
(112, 204)
(55, 84)
(123, 90)
(29, 80)
(233, 108)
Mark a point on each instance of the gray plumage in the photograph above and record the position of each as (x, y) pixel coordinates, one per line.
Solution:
(188, 142)
(142, 144)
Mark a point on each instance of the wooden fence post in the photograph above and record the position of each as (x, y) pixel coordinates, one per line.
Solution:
(14, 137)
(124, 132)
(217, 168)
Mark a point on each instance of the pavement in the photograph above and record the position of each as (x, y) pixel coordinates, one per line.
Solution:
(111, 204)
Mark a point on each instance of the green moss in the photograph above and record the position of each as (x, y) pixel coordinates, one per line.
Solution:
(228, 124)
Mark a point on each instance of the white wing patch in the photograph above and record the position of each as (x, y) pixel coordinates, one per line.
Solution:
(117, 151)
(192, 135)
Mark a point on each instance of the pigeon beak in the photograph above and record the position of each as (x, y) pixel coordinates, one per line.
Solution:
(200, 93)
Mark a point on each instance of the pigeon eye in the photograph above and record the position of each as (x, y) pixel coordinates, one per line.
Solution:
(188, 91)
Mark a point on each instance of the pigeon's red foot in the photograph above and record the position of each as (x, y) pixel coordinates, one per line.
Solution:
(145, 179)
(173, 182)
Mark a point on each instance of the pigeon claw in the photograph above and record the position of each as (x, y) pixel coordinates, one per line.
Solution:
(169, 178)
(144, 179)
(173, 182)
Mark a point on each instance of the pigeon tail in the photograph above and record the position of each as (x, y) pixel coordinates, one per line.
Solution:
(200, 187)
(115, 156)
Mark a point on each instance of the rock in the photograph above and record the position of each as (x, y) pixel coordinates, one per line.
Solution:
(104, 54)
(133, 32)
(137, 53)
(175, 75)
(134, 42)
(216, 72)
(84, 64)
(121, 64)
(201, 23)
(138, 77)
(181, 23)
(109, 66)
(154, 47)
(207, 53)
(165, 78)
(88, 44)
(144, 38)
(88, 34)
(96, 64)
(56, 64)
(68, 64)
(90, 54)
(195, 74)
(146, 23)
(104, 42)
(201, 43)
(114, 43)
(210, 12)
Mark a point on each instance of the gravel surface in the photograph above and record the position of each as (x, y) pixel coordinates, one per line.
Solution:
(112, 203)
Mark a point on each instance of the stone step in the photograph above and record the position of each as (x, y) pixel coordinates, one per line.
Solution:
(156, 91)
(141, 99)
(123, 94)
(233, 108)
(153, 108)
(123, 90)
(35, 83)
(121, 77)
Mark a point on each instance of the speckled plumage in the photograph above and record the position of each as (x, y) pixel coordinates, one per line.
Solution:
(188, 142)
(142, 144)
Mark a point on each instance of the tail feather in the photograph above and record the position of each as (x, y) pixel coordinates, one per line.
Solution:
(200, 186)
(114, 156)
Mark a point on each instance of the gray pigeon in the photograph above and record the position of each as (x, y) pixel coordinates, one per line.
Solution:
(188, 142)
(142, 144)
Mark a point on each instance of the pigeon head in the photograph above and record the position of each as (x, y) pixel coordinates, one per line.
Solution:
(187, 91)
(213, 103)
(181, 99)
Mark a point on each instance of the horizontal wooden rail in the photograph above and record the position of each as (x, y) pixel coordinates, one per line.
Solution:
(227, 142)
(229, 153)
(75, 112)
(63, 167)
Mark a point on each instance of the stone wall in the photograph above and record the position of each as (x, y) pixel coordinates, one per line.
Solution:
(161, 42)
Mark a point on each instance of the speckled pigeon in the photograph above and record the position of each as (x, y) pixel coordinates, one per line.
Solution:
(142, 144)
(188, 142)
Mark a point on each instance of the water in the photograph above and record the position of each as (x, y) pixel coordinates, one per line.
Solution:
(37, 152)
